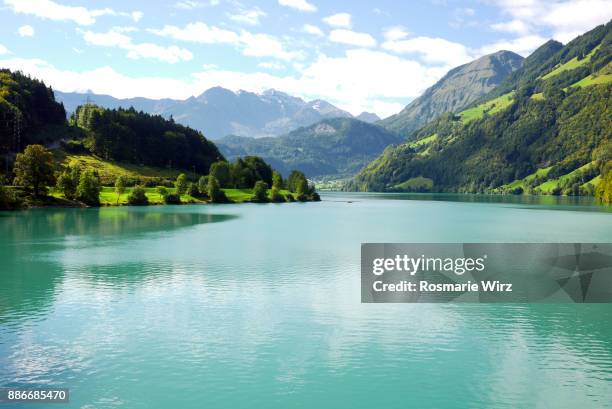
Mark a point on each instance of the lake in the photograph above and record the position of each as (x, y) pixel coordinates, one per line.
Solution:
(236, 306)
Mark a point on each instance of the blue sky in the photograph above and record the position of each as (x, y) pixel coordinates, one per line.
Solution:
(360, 55)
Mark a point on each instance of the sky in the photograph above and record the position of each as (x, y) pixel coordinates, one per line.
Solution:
(373, 56)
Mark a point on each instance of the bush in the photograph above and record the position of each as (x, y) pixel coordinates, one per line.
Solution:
(275, 195)
(289, 197)
(172, 198)
(192, 190)
(215, 193)
(68, 181)
(88, 190)
(9, 199)
(138, 197)
(74, 146)
(203, 186)
(260, 192)
(162, 190)
(181, 184)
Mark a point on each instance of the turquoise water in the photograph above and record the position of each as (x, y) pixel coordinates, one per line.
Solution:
(236, 306)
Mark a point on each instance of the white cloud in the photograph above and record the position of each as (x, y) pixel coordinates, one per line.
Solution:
(137, 15)
(522, 45)
(512, 26)
(432, 50)
(116, 38)
(312, 29)
(51, 10)
(301, 5)
(264, 45)
(191, 4)
(26, 31)
(198, 33)
(567, 19)
(352, 38)
(395, 33)
(250, 17)
(342, 20)
(251, 44)
(3, 50)
(271, 65)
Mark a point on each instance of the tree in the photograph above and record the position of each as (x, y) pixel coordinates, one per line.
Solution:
(68, 181)
(301, 190)
(34, 169)
(203, 185)
(275, 195)
(181, 184)
(603, 192)
(88, 190)
(192, 190)
(295, 178)
(138, 197)
(120, 184)
(221, 170)
(277, 180)
(162, 191)
(215, 193)
(260, 192)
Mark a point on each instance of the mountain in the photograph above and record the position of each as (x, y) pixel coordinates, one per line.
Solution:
(457, 89)
(218, 111)
(332, 147)
(544, 130)
(368, 117)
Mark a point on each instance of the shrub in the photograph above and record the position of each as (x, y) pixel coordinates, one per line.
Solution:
(203, 185)
(138, 197)
(181, 184)
(162, 190)
(275, 195)
(192, 190)
(215, 193)
(68, 181)
(260, 192)
(172, 198)
(289, 197)
(88, 190)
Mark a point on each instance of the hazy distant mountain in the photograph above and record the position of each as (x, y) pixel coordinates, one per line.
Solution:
(368, 117)
(456, 90)
(338, 147)
(219, 112)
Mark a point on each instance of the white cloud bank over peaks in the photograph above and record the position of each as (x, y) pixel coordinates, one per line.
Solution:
(51, 10)
(431, 50)
(353, 38)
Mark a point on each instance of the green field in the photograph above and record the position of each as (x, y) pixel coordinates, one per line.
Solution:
(593, 80)
(526, 181)
(571, 64)
(490, 107)
(423, 141)
(550, 185)
(416, 183)
(109, 170)
(108, 197)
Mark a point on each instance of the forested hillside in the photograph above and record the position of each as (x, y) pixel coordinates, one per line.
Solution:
(28, 112)
(546, 129)
(333, 147)
(126, 135)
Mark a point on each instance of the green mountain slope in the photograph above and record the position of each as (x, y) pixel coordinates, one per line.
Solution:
(456, 90)
(333, 147)
(546, 129)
